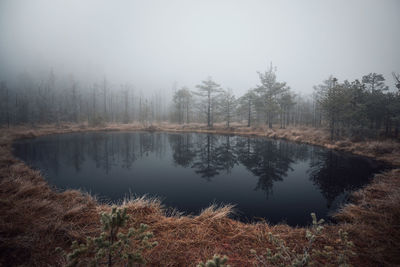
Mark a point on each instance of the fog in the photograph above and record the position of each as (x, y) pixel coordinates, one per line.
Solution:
(153, 44)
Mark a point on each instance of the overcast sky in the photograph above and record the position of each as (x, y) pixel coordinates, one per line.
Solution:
(153, 43)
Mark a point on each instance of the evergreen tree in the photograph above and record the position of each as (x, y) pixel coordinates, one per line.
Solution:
(208, 90)
(286, 103)
(228, 106)
(246, 105)
(182, 100)
(268, 93)
(111, 247)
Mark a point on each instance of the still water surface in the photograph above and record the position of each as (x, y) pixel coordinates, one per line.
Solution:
(276, 180)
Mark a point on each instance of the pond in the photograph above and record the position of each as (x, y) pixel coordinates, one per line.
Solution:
(275, 180)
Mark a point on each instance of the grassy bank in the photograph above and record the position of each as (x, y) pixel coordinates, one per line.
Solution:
(34, 218)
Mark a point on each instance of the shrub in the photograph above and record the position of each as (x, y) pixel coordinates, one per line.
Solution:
(381, 148)
(284, 256)
(216, 261)
(344, 256)
(112, 246)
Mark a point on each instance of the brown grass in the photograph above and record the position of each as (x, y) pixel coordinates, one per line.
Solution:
(34, 218)
(373, 219)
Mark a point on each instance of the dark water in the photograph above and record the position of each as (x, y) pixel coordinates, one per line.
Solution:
(275, 180)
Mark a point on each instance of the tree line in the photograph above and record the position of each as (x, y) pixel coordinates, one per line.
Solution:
(50, 101)
(364, 107)
(359, 108)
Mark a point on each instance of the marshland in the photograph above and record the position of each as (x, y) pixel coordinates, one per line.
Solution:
(194, 134)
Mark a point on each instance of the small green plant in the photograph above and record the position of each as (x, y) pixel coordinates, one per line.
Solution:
(284, 256)
(347, 251)
(216, 261)
(112, 246)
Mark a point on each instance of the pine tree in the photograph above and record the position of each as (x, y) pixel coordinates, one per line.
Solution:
(246, 105)
(268, 93)
(286, 102)
(182, 100)
(228, 106)
(208, 90)
(112, 246)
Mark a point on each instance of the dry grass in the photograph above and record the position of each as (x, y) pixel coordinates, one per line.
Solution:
(374, 219)
(34, 218)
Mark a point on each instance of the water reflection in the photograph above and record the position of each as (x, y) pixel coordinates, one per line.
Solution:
(268, 160)
(337, 173)
(183, 149)
(175, 166)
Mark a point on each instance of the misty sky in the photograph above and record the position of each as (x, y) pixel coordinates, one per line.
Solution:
(153, 43)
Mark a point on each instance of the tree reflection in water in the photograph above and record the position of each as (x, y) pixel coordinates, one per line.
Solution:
(266, 159)
(337, 173)
(223, 157)
(183, 149)
(206, 162)
(226, 154)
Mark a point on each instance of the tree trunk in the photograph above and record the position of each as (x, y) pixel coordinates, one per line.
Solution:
(209, 110)
(269, 120)
(187, 112)
(332, 126)
(249, 115)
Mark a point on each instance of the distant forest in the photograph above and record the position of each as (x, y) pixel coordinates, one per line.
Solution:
(366, 107)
